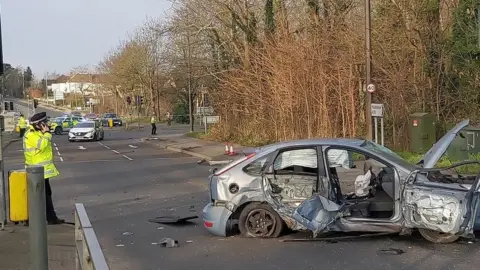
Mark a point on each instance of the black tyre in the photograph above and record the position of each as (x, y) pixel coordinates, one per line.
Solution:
(58, 130)
(95, 137)
(260, 221)
(101, 138)
(438, 237)
(71, 140)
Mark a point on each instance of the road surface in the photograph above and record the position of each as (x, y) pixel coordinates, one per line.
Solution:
(124, 182)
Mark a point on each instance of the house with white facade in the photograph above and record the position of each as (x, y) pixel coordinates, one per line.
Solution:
(81, 84)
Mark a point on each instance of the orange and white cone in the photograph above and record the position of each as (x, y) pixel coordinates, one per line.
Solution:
(227, 150)
(231, 153)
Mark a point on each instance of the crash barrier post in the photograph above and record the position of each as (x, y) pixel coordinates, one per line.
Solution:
(37, 217)
(110, 123)
(89, 255)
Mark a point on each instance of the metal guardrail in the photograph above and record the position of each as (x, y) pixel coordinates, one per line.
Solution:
(89, 254)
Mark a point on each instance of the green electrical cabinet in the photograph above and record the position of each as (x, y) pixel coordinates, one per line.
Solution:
(422, 132)
(466, 143)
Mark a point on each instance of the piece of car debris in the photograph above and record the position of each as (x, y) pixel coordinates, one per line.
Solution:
(127, 233)
(189, 241)
(391, 251)
(168, 242)
(120, 245)
(160, 228)
(172, 219)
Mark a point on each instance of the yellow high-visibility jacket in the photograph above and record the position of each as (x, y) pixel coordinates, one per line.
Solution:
(22, 123)
(37, 148)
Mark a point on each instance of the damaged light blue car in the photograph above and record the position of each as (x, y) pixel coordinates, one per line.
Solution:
(343, 185)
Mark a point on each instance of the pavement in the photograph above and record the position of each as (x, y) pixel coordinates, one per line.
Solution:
(126, 180)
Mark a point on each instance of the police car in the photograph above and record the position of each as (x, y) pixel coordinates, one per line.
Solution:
(64, 123)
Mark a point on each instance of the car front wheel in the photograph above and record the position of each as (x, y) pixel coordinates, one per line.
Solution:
(438, 237)
(260, 221)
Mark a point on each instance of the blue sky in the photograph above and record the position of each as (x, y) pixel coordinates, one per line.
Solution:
(57, 35)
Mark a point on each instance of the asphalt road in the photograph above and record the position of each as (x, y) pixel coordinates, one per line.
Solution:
(22, 107)
(124, 182)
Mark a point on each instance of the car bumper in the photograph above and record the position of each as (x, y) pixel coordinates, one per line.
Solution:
(80, 138)
(216, 219)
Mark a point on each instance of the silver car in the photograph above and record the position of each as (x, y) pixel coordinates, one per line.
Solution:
(342, 185)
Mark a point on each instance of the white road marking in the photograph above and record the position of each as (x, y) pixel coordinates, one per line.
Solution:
(127, 157)
(103, 145)
(59, 153)
(115, 151)
(54, 144)
(56, 148)
(61, 159)
(132, 146)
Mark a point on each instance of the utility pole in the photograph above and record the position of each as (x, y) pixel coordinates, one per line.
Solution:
(189, 64)
(368, 47)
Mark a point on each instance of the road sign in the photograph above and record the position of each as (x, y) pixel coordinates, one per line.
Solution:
(211, 119)
(377, 110)
(371, 88)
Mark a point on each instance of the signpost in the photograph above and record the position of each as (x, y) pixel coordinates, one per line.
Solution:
(210, 120)
(378, 112)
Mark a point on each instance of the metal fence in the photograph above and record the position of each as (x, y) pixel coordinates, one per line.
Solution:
(89, 254)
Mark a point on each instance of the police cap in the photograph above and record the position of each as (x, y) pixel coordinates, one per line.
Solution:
(38, 117)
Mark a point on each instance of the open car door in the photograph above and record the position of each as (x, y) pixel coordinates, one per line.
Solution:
(315, 213)
(449, 209)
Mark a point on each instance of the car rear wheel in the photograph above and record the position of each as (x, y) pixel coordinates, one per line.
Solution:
(438, 237)
(260, 221)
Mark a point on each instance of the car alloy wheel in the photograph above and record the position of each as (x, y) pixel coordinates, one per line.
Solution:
(438, 237)
(260, 220)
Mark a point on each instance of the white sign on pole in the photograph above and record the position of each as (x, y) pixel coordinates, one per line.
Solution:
(377, 110)
(371, 88)
(9, 122)
(211, 119)
(58, 95)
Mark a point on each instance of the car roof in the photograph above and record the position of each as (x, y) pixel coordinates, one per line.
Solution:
(88, 121)
(323, 141)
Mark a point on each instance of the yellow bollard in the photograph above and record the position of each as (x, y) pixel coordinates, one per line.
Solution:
(110, 122)
(17, 129)
(17, 191)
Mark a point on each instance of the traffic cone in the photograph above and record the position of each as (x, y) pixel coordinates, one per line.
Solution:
(231, 153)
(227, 151)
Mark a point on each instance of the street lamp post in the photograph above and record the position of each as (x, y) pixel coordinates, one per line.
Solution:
(368, 81)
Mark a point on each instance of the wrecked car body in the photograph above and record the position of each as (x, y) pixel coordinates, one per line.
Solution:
(342, 185)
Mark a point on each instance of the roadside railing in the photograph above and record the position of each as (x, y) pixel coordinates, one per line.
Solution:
(89, 255)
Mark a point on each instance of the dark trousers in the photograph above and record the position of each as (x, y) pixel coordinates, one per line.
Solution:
(51, 215)
(22, 132)
(154, 129)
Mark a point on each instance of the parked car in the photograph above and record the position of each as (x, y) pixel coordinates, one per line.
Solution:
(319, 185)
(86, 131)
(91, 116)
(116, 120)
(76, 113)
(64, 123)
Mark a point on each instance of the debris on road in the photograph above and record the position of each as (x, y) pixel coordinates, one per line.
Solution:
(168, 242)
(391, 251)
(172, 219)
(127, 233)
(160, 228)
(81, 148)
(189, 241)
(120, 245)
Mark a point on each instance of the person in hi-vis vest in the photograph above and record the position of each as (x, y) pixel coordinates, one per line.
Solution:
(37, 148)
